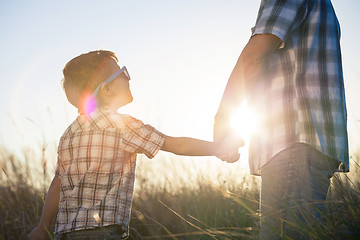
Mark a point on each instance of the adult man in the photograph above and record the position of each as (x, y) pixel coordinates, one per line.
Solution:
(290, 72)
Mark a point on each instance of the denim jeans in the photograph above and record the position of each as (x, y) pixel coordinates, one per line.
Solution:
(293, 192)
(112, 232)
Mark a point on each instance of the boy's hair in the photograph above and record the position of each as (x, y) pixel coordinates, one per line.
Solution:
(81, 73)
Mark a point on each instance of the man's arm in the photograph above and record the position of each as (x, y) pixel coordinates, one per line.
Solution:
(243, 78)
(49, 211)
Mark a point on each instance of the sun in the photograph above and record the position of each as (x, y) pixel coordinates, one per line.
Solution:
(244, 121)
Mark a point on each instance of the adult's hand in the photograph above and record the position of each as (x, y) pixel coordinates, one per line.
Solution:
(229, 146)
(230, 158)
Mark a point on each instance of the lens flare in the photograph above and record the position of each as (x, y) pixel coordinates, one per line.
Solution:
(244, 121)
(88, 103)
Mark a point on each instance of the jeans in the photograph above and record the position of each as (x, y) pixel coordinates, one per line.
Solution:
(112, 232)
(293, 192)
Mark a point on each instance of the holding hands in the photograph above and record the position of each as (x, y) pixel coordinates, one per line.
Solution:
(228, 148)
(229, 142)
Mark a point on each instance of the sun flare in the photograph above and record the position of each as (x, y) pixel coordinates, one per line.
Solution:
(244, 121)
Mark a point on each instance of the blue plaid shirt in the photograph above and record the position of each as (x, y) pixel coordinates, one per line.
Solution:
(301, 95)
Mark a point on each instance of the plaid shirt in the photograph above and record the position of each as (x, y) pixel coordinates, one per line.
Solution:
(301, 94)
(96, 164)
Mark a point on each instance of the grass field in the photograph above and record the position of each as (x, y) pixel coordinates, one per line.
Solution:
(186, 207)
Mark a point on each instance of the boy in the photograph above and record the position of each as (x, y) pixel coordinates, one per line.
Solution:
(94, 178)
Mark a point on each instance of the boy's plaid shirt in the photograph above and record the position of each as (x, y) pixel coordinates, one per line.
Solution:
(96, 164)
(301, 96)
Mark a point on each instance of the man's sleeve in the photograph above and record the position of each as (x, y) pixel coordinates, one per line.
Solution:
(140, 138)
(280, 17)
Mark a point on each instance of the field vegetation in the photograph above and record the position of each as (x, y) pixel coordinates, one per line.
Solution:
(169, 205)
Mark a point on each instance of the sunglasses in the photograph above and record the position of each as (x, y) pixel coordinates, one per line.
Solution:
(112, 77)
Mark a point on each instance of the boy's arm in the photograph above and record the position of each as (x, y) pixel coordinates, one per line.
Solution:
(188, 146)
(49, 211)
(195, 147)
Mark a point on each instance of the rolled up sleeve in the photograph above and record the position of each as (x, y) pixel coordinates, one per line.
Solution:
(138, 137)
(279, 17)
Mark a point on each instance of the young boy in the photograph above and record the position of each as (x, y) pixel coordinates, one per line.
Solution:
(92, 190)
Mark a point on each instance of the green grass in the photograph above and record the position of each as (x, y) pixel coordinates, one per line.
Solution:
(175, 209)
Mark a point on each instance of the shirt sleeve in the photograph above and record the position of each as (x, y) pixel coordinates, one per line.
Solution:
(59, 169)
(280, 17)
(140, 138)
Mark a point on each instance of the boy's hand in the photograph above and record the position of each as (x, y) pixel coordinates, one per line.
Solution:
(38, 233)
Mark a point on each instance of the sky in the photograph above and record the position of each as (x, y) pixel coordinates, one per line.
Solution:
(179, 55)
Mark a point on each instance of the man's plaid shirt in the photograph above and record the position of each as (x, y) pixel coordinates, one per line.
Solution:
(300, 97)
(96, 164)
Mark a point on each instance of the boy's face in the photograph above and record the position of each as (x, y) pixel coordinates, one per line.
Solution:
(119, 87)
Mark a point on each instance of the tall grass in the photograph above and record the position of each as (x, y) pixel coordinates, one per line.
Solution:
(187, 207)
(21, 194)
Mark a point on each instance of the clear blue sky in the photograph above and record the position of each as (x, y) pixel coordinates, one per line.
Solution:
(179, 54)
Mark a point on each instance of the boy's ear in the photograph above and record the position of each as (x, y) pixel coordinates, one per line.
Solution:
(106, 89)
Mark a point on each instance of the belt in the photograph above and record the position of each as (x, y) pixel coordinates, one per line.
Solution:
(106, 232)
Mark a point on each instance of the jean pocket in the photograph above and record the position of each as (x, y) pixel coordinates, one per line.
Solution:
(321, 161)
